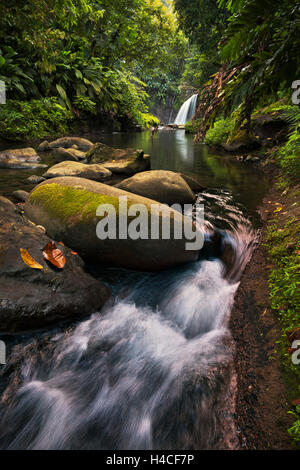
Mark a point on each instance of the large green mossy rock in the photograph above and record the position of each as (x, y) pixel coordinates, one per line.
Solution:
(167, 187)
(67, 208)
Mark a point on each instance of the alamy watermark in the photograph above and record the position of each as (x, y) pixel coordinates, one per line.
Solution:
(2, 353)
(2, 92)
(158, 222)
(296, 353)
(296, 94)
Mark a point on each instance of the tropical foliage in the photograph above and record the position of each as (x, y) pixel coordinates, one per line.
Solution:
(93, 56)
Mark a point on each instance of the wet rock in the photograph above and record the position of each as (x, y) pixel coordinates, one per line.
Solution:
(129, 167)
(16, 164)
(32, 298)
(21, 195)
(94, 172)
(23, 155)
(193, 183)
(19, 158)
(167, 187)
(44, 146)
(241, 142)
(61, 155)
(67, 207)
(67, 142)
(34, 179)
(101, 153)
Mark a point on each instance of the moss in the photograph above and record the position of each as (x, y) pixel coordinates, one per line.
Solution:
(282, 243)
(67, 202)
(74, 204)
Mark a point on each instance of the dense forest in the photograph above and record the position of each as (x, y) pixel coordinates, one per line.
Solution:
(129, 65)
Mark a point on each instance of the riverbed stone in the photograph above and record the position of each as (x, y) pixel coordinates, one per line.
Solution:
(67, 207)
(16, 164)
(71, 154)
(167, 187)
(32, 298)
(101, 153)
(67, 142)
(94, 172)
(34, 179)
(23, 155)
(20, 195)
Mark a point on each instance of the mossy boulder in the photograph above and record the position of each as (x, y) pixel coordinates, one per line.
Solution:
(67, 208)
(241, 142)
(163, 186)
(81, 170)
(35, 298)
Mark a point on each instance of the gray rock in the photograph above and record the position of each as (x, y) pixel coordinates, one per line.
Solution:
(94, 172)
(167, 187)
(32, 298)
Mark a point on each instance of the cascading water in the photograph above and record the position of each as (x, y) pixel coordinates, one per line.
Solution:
(153, 370)
(187, 110)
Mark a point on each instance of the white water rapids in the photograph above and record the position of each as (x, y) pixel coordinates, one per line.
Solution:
(154, 370)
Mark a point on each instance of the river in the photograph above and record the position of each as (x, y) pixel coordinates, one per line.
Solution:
(154, 369)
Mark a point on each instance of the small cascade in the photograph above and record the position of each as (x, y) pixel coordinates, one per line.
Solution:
(187, 110)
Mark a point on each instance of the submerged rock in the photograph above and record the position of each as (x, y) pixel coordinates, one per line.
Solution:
(61, 155)
(81, 170)
(67, 208)
(66, 142)
(32, 298)
(163, 186)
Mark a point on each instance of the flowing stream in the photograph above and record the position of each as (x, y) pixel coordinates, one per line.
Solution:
(154, 369)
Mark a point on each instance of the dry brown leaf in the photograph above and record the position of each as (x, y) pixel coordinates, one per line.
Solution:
(27, 258)
(52, 254)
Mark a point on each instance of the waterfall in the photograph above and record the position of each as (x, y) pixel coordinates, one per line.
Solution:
(187, 110)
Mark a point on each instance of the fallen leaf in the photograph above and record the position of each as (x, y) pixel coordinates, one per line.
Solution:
(296, 402)
(27, 258)
(278, 209)
(52, 254)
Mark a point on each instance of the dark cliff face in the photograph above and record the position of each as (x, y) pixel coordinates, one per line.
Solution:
(165, 111)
